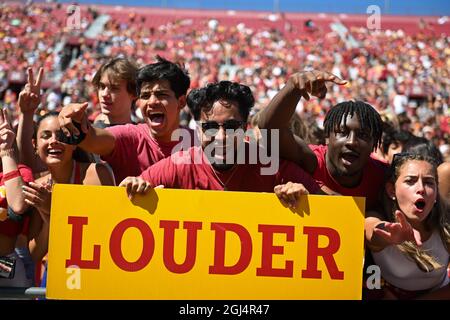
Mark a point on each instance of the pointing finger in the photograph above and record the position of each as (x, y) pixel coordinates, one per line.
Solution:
(335, 79)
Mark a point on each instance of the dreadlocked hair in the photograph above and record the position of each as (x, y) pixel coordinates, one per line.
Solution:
(368, 117)
(436, 219)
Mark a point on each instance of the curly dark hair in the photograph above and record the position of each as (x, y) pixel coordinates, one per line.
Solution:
(230, 91)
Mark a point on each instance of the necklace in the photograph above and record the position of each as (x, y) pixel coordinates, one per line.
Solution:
(225, 184)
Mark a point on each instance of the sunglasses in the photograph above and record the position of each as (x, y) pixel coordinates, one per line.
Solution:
(211, 128)
(398, 156)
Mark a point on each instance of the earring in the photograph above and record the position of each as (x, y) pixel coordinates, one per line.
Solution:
(393, 198)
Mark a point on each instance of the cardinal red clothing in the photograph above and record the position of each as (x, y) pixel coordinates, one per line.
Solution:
(135, 150)
(9, 227)
(180, 171)
(371, 183)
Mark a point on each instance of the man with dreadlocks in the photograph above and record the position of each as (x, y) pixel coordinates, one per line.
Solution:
(353, 130)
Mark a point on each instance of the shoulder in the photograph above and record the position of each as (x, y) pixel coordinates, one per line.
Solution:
(25, 172)
(444, 169)
(319, 150)
(97, 174)
(126, 129)
(23, 168)
(378, 165)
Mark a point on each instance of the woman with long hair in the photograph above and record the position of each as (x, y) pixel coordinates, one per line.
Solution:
(409, 236)
(65, 165)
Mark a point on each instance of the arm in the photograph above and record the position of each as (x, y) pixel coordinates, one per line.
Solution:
(444, 181)
(38, 237)
(280, 110)
(98, 141)
(29, 99)
(12, 177)
(38, 195)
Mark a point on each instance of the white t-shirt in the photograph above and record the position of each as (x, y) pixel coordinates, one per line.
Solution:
(400, 270)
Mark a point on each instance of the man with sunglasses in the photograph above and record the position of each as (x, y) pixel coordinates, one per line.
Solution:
(353, 130)
(223, 161)
(129, 148)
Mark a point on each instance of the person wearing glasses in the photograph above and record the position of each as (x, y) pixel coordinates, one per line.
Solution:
(129, 148)
(409, 234)
(353, 130)
(217, 164)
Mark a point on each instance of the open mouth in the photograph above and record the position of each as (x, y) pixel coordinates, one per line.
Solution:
(54, 152)
(420, 204)
(105, 104)
(157, 118)
(349, 157)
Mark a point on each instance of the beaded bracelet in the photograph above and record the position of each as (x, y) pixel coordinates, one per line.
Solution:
(11, 175)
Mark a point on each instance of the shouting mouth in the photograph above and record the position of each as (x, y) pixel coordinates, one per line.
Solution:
(156, 118)
(420, 204)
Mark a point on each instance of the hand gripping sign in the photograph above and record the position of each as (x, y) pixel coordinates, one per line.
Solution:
(208, 245)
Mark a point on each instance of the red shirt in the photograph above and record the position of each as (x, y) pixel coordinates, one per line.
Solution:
(181, 172)
(135, 150)
(371, 184)
(10, 227)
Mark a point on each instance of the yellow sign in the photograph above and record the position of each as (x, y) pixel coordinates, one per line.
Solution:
(205, 245)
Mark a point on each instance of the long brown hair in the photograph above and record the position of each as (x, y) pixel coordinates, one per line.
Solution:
(437, 219)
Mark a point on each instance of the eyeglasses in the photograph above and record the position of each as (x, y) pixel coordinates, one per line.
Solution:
(211, 128)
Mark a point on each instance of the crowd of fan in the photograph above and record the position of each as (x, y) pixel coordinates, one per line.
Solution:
(399, 74)
(404, 77)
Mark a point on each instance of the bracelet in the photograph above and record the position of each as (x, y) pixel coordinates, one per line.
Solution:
(14, 216)
(11, 175)
(7, 152)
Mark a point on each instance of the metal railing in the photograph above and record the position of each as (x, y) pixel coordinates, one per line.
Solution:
(22, 293)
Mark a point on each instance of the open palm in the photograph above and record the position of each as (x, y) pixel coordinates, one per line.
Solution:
(399, 232)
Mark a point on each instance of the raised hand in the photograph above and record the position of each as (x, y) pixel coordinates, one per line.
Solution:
(290, 193)
(314, 82)
(7, 135)
(30, 96)
(73, 112)
(398, 232)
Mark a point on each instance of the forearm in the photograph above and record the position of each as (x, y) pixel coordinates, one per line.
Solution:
(24, 140)
(374, 242)
(39, 245)
(279, 112)
(98, 141)
(14, 195)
